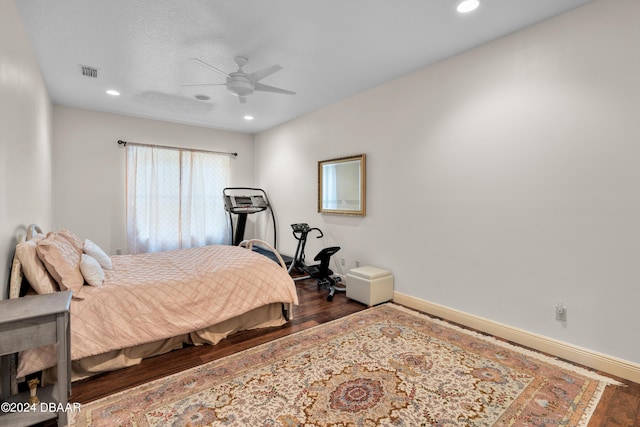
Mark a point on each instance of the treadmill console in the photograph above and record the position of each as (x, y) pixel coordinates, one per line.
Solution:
(244, 204)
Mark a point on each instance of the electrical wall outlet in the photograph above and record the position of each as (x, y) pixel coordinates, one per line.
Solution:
(118, 251)
(357, 263)
(343, 262)
(561, 312)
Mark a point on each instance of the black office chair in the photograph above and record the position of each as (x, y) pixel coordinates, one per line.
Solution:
(322, 273)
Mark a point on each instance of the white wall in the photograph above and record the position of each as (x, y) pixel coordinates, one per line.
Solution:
(89, 166)
(25, 138)
(500, 181)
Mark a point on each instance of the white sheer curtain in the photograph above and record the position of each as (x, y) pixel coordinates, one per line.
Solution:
(174, 198)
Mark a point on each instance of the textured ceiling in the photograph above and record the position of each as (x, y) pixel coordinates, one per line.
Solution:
(329, 50)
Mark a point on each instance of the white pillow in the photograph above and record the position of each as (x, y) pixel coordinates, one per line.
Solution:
(96, 252)
(91, 271)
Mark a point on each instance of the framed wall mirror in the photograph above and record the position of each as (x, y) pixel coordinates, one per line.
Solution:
(342, 186)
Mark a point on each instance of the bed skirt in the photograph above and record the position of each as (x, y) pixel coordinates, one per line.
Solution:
(262, 317)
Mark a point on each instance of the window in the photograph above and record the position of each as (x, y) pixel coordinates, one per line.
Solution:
(174, 198)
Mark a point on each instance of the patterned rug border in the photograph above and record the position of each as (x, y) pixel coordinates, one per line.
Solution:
(585, 372)
(602, 380)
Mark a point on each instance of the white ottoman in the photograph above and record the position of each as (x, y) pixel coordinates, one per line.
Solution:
(370, 285)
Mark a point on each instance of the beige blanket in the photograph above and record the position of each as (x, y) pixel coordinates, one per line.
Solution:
(148, 297)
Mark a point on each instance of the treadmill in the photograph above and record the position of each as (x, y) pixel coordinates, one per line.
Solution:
(242, 202)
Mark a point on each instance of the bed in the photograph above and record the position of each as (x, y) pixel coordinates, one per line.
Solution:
(129, 307)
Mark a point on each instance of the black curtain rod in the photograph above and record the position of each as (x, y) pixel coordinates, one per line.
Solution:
(124, 143)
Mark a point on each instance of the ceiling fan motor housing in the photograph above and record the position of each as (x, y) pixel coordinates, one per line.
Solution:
(239, 84)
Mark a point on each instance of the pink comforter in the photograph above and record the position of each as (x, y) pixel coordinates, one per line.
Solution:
(153, 296)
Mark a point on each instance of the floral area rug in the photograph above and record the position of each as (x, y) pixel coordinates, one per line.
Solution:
(384, 366)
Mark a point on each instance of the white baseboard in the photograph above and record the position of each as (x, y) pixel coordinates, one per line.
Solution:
(592, 359)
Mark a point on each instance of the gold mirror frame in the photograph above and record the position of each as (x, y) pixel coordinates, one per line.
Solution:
(342, 186)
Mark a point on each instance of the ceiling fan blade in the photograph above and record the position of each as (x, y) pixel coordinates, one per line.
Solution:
(205, 84)
(261, 74)
(209, 66)
(242, 99)
(267, 88)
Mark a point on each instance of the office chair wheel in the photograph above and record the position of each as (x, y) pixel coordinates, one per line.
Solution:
(329, 298)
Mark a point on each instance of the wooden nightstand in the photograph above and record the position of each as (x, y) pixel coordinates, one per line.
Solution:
(31, 322)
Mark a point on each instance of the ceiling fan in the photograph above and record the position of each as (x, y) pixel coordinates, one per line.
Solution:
(242, 84)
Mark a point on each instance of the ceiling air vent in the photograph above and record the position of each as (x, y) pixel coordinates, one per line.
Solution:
(89, 71)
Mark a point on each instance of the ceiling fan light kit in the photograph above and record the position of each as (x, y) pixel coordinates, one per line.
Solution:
(242, 84)
(239, 86)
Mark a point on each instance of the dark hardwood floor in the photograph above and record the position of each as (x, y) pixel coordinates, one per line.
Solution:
(619, 406)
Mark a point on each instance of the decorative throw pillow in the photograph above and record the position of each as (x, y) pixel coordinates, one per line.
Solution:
(91, 270)
(75, 241)
(33, 269)
(62, 261)
(96, 252)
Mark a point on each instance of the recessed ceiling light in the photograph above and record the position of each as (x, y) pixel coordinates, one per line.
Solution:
(113, 92)
(466, 6)
(247, 117)
(203, 97)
